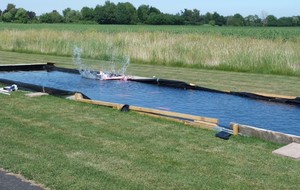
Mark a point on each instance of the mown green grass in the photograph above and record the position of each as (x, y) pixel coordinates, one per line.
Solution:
(252, 50)
(67, 145)
(221, 80)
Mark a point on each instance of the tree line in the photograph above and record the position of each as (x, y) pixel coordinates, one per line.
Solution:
(126, 13)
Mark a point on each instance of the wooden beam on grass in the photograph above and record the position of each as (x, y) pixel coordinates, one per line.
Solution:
(179, 117)
(202, 125)
(175, 114)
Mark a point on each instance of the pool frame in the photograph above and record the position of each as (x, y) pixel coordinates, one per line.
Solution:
(197, 121)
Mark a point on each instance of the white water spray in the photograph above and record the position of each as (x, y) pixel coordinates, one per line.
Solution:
(83, 69)
(114, 67)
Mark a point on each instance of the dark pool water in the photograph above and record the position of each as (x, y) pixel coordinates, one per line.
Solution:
(228, 108)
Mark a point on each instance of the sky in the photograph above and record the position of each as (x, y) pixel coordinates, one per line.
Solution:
(278, 8)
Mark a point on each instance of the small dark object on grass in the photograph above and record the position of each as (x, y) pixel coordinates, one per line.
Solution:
(125, 108)
(223, 135)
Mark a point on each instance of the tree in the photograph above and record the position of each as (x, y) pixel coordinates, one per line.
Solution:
(285, 21)
(87, 14)
(22, 16)
(175, 19)
(99, 14)
(296, 20)
(125, 13)
(191, 16)
(154, 10)
(9, 7)
(143, 13)
(53, 17)
(71, 16)
(66, 11)
(218, 19)
(0, 15)
(207, 18)
(12, 14)
(31, 15)
(236, 20)
(7, 17)
(9, 13)
(253, 20)
(271, 20)
(105, 14)
(164, 19)
(156, 19)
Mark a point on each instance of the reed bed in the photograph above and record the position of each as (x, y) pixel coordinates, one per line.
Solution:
(213, 51)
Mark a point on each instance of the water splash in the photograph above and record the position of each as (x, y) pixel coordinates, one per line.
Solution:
(83, 69)
(119, 65)
(116, 66)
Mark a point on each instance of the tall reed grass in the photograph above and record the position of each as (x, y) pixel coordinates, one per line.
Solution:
(186, 49)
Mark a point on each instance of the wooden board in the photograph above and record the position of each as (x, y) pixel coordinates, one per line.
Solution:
(36, 94)
(276, 96)
(175, 114)
(196, 120)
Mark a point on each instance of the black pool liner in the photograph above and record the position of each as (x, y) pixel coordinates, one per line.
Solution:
(37, 88)
(27, 67)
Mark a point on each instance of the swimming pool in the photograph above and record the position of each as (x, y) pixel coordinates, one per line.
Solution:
(227, 108)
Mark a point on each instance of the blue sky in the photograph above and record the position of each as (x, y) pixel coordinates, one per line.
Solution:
(279, 8)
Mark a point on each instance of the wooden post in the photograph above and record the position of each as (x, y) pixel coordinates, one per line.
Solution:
(235, 129)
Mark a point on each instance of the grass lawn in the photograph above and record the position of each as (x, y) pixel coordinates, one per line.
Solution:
(222, 80)
(64, 144)
(70, 145)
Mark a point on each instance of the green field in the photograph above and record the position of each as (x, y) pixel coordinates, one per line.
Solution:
(253, 50)
(273, 33)
(63, 144)
(69, 145)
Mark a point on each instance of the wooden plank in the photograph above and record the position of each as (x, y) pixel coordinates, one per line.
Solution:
(79, 98)
(100, 103)
(175, 114)
(206, 123)
(36, 94)
(160, 116)
(275, 96)
(265, 134)
(203, 125)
